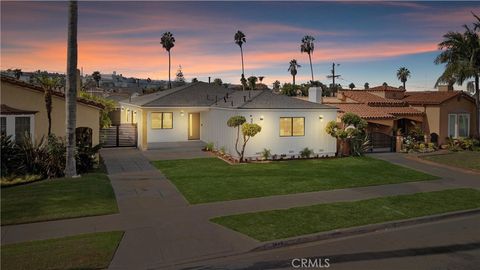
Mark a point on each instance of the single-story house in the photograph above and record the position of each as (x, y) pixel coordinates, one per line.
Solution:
(199, 111)
(441, 114)
(447, 113)
(23, 110)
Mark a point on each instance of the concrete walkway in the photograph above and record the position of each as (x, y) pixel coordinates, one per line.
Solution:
(163, 230)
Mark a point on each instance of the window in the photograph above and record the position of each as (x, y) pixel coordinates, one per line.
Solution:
(292, 126)
(459, 125)
(3, 126)
(134, 117)
(162, 120)
(22, 127)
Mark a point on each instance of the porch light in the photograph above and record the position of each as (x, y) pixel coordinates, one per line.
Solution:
(182, 113)
(321, 118)
(261, 118)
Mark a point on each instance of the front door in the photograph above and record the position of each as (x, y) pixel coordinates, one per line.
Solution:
(194, 126)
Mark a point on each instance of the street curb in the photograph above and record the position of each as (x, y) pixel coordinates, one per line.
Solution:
(341, 233)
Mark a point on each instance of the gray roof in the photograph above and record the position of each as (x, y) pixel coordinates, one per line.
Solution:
(202, 94)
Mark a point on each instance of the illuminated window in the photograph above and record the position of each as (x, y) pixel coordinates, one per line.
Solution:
(162, 120)
(292, 126)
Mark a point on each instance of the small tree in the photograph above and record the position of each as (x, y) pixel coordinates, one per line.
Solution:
(351, 131)
(236, 122)
(366, 86)
(252, 82)
(97, 77)
(248, 131)
(218, 81)
(276, 85)
(194, 80)
(351, 86)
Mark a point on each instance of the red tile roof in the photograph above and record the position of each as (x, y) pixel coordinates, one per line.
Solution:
(363, 96)
(432, 97)
(14, 81)
(385, 88)
(369, 112)
(4, 109)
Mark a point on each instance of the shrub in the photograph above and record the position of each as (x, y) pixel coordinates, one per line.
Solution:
(222, 150)
(209, 146)
(10, 159)
(306, 153)
(266, 153)
(86, 157)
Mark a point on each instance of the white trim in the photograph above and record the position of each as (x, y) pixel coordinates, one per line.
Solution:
(10, 119)
(456, 124)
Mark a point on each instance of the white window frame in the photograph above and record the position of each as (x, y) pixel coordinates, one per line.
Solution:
(11, 124)
(456, 125)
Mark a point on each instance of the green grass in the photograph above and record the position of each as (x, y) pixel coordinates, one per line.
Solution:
(60, 198)
(87, 251)
(463, 159)
(211, 179)
(278, 224)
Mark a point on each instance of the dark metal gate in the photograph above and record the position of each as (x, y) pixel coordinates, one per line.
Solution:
(124, 135)
(381, 142)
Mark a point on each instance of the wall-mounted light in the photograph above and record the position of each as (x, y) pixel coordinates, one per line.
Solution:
(261, 118)
(321, 118)
(182, 113)
(123, 109)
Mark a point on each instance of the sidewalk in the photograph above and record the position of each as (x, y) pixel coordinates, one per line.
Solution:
(162, 229)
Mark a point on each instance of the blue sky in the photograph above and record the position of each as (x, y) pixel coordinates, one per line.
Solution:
(370, 40)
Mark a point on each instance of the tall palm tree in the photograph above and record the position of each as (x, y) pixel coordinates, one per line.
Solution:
(168, 41)
(307, 46)
(293, 69)
(97, 77)
(239, 40)
(48, 84)
(461, 56)
(71, 89)
(403, 74)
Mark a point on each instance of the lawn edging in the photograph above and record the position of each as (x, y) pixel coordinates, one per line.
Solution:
(341, 233)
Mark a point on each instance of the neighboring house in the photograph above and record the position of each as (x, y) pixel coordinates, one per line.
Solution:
(199, 111)
(23, 111)
(448, 113)
(441, 114)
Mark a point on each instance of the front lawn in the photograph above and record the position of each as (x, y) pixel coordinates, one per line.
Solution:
(61, 198)
(462, 159)
(87, 251)
(211, 179)
(278, 224)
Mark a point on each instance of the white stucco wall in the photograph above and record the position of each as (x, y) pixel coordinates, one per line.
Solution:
(215, 129)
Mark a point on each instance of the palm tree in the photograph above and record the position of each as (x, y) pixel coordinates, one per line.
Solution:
(461, 56)
(307, 46)
(97, 77)
(293, 69)
(71, 89)
(403, 74)
(48, 84)
(168, 41)
(239, 40)
(351, 86)
(260, 78)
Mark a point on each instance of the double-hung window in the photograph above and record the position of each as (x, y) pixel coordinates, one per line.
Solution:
(292, 126)
(162, 120)
(459, 125)
(22, 128)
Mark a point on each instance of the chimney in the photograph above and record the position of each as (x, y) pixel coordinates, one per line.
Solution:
(315, 94)
(445, 88)
(209, 80)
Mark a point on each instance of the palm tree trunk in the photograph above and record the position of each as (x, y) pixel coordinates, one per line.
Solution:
(293, 80)
(71, 91)
(477, 101)
(404, 85)
(311, 67)
(169, 68)
(243, 70)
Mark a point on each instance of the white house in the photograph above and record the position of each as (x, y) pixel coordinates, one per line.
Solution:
(199, 111)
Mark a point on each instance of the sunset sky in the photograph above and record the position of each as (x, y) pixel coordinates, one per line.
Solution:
(369, 40)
